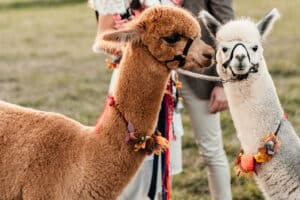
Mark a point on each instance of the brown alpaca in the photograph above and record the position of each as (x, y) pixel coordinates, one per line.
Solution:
(49, 156)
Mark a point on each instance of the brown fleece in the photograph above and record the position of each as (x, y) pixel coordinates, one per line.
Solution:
(49, 156)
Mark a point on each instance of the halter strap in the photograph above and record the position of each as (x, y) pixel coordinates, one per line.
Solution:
(187, 46)
(231, 54)
(285, 117)
(255, 66)
(182, 58)
(253, 69)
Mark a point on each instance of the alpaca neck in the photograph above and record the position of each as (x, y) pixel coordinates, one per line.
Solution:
(255, 108)
(138, 95)
(140, 88)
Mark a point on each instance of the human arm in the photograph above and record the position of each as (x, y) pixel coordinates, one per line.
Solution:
(108, 19)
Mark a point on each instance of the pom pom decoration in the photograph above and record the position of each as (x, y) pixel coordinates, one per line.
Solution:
(152, 144)
(111, 100)
(111, 64)
(247, 162)
(248, 166)
(178, 85)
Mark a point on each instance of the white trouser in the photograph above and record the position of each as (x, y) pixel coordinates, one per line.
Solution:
(208, 135)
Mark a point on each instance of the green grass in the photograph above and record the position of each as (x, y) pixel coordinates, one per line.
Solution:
(46, 63)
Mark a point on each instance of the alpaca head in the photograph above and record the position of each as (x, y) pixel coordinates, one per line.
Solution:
(171, 35)
(239, 44)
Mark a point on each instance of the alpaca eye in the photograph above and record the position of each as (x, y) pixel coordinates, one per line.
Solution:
(172, 38)
(255, 48)
(224, 49)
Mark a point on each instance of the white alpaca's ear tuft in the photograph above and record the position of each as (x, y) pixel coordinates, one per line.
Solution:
(211, 22)
(265, 25)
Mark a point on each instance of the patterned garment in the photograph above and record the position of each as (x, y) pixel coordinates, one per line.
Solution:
(107, 7)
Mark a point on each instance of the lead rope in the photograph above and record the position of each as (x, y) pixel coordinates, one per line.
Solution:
(200, 76)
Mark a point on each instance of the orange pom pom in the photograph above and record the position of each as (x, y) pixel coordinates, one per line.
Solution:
(247, 162)
(178, 85)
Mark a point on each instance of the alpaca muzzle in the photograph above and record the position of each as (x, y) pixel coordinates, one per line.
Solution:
(181, 59)
(253, 69)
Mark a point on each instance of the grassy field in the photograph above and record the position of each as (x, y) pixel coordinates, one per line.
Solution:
(46, 63)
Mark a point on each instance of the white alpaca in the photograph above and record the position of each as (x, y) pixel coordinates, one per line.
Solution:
(254, 104)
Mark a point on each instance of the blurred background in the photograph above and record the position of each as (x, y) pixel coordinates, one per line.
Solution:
(46, 62)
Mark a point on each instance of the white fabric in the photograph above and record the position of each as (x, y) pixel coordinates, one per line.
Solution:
(106, 7)
(113, 80)
(176, 151)
(149, 3)
(177, 121)
(166, 2)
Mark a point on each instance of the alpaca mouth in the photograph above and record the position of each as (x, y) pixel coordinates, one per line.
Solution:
(239, 70)
(242, 76)
(240, 67)
(239, 76)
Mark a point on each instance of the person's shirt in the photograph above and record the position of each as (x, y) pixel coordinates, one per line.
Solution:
(220, 9)
(106, 7)
(223, 11)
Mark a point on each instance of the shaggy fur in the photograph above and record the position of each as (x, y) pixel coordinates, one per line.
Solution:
(49, 156)
(255, 106)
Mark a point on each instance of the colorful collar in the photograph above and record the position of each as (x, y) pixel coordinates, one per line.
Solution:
(247, 164)
(154, 143)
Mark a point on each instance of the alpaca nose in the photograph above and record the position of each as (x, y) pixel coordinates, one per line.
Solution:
(207, 55)
(240, 57)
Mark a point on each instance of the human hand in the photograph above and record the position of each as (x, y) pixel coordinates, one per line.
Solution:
(218, 101)
(119, 22)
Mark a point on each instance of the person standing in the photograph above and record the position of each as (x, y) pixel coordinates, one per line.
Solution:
(204, 100)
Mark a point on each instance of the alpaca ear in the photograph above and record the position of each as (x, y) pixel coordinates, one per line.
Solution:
(123, 35)
(210, 22)
(265, 25)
